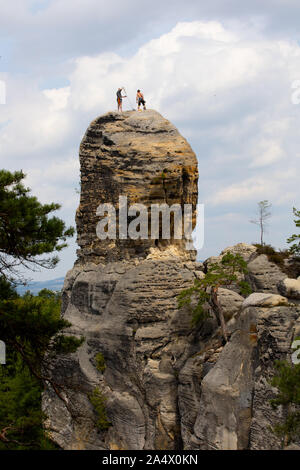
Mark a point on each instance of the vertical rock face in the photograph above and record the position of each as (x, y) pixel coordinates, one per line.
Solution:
(122, 294)
(138, 155)
(234, 409)
(160, 383)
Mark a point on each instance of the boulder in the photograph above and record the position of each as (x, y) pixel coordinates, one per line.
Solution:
(244, 249)
(290, 288)
(230, 302)
(264, 275)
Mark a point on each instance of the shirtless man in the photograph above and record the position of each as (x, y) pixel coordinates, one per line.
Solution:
(140, 100)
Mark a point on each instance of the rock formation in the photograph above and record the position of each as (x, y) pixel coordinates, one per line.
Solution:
(121, 294)
(162, 383)
(138, 155)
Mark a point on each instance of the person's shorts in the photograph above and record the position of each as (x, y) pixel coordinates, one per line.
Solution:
(119, 100)
(141, 101)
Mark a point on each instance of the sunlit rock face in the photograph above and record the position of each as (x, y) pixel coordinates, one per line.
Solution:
(122, 294)
(143, 157)
(164, 384)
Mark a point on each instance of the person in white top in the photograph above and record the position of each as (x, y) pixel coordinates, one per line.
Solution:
(120, 99)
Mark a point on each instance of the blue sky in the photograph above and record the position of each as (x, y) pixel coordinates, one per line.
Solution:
(222, 72)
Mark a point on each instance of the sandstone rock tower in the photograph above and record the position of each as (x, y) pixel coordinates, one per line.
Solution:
(121, 294)
(138, 155)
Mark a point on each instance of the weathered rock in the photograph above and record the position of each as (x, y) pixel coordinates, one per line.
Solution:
(234, 410)
(292, 447)
(244, 249)
(230, 302)
(224, 413)
(259, 299)
(290, 288)
(140, 156)
(167, 385)
(275, 335)
(122, 294)
(264, 275)
(133, 320)
(189, 391)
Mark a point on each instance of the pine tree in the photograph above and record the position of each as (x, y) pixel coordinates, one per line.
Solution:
(27, 232)
(30, 326)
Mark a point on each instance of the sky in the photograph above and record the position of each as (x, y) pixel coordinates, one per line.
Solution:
(227, 74)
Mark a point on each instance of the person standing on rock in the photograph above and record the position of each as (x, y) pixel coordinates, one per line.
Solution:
(120, 99)
(140, 100)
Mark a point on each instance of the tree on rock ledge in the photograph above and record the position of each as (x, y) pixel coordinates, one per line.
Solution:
(206, 290)
(263, 214)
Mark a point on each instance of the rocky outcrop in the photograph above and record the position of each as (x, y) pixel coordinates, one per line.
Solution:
(122, 294)
(128, 313)
(264, 300)
(234, 407)
(162, 383)
(290, 287)
(264, 275)
(140, 156)
(233, 400)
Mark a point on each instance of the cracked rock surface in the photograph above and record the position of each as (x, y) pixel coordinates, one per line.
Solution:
(166, 385)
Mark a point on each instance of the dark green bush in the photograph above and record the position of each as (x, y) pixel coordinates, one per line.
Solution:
(98, 401)
(100, 362)
(287, 382)
(276, 257)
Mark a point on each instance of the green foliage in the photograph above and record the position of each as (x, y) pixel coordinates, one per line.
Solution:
(279, 257)
(28, 323)
(7, 291)
(21, 417)
(186, 296)
(26, 230)
(49, 294)
(274, 256)
(30, 326)
(245, 288)
(218, 274)
(287, 381)
(62, 344)
(295, 247)
(98, 401)
(100, 362)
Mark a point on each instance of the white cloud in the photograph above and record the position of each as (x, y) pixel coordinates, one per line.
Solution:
(68, 28)
(278, 187)
(228, 91)
(267, 152)
(58, 97)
